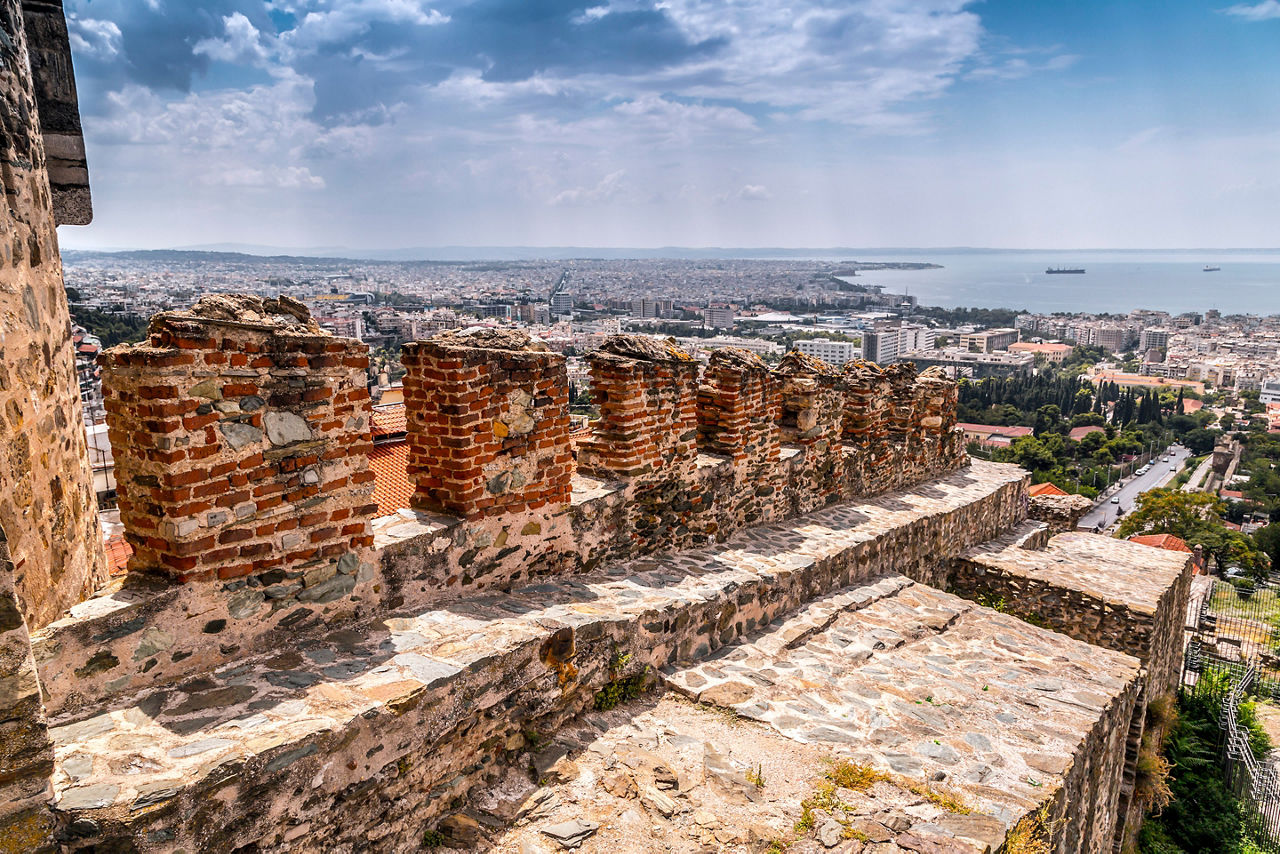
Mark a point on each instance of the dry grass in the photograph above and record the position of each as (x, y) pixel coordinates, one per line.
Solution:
(851, 775)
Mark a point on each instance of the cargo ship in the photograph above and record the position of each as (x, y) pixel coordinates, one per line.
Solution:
(1209, 269)
(1053, 270)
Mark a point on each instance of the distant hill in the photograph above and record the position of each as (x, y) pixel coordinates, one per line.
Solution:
(231, 253)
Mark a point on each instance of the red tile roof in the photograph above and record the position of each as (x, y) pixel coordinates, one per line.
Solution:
(1046, 489)
(1078, 433)
(118, 554)
(388, 420)
(391, 487)
(1168, 542)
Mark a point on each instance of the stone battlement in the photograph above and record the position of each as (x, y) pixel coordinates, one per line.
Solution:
(280, 671)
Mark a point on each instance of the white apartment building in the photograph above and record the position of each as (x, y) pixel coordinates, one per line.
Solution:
(718, 317)
(1269, 390)
(832, 352)
(1154, 339)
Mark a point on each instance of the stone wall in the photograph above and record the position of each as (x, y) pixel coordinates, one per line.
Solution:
(358, 736)
(241, 438)
(26, 753)
(488, 421)
(812, 418)
(49, 509)
(1107, 592)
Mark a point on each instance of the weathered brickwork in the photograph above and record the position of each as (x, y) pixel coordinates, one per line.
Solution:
(488, 424)
(739, 409)
(241, 439)
(812, 418)
(647, 394)
(49, 507)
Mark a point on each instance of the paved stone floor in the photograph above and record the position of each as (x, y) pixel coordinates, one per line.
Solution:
(973, 716)
(665, 774)
(147, 747)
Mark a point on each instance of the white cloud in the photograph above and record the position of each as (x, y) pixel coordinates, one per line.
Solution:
(755, 193)
(608, 189)
(242, 43)
(286, 178)
(324, 25)
(1267, 10)
(92, 37)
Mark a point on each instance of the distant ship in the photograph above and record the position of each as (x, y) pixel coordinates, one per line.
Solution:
(1209, 269)
(1053, 270)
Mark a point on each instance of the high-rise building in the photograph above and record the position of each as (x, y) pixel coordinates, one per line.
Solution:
(1154, 339)
(561, 304)
(880, 345)
(718, 317)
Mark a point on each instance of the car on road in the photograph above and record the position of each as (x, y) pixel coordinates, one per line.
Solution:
(1115, 500)
(1173, 468)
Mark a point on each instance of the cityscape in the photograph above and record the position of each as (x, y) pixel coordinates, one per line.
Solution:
(638, 427)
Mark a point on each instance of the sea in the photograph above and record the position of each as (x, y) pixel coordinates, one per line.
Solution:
(1114, 282)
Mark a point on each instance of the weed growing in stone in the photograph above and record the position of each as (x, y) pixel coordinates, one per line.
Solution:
(851, 775)
(940, 798)
(432, 839)
(618, 691)
(755, 776)
(1030, 835)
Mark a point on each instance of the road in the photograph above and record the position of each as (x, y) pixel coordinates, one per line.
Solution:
(1128, 491)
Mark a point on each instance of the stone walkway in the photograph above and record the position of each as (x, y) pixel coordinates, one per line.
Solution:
(912, 680)
(288, 711)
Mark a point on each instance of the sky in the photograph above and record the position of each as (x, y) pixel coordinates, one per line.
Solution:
(382, 124)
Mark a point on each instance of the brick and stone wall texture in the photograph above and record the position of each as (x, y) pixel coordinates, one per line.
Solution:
(26, 752)
(49, 509)
(488, 421)
(241, 437)
(812, 418)
(647, 394)
(739, 409)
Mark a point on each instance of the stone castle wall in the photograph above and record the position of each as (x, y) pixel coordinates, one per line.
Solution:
(215, 493)
(49, 511)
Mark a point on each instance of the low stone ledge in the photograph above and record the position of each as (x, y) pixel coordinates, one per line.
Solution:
(910, 680)
(400, 717)
(1108, 592)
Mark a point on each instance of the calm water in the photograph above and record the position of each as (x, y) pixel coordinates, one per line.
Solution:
(1117, 282)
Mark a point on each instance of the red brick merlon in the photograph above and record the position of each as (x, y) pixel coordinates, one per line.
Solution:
(812, 400)
(739, 408)
(488, 423)
(240, 432)
(647, 393)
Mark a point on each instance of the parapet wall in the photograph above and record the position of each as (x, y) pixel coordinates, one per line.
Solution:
(241, 440)
(488, 424)
(49, 509)
(241, 449)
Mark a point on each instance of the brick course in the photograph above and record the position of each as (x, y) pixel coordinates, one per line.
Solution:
(488, 424)
(225, 472)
